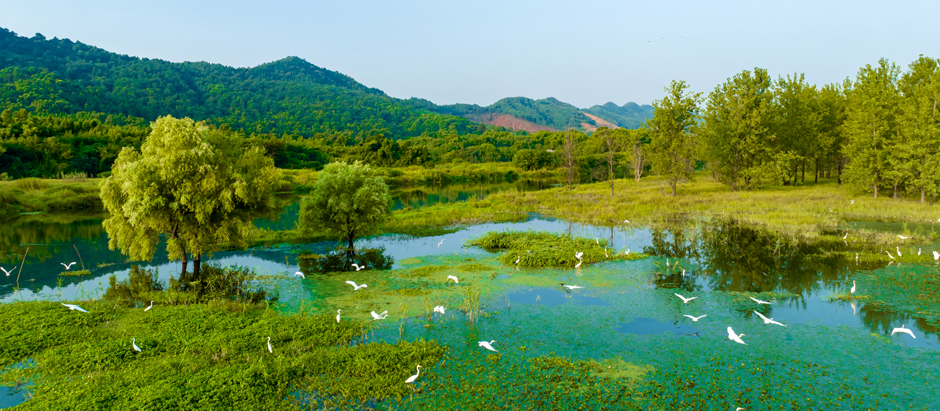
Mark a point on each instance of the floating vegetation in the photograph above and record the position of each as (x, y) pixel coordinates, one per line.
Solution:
(75, 273)
(546, 249)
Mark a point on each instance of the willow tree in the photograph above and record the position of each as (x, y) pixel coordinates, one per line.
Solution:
(673, 144)
(191, 183)
(347, 201)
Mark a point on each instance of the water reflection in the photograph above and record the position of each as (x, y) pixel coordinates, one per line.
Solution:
(551, 297)
(650, 326)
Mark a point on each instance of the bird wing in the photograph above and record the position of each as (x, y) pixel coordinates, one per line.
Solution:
(731, 333)
(680, 296)
(761, 316)
(352, 283)
(774, 322)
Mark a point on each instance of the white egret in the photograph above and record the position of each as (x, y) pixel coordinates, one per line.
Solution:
(412, 378)
(134, 344)
(628, 221)
(571, 287)
(846, 235)
(903, 330)
(759, 301)
(439, 309)
(596, 241)
(628, 251)
(735, 337)
(518, 258)
(902, 237)
(685, 300)
(683, 272)
(936, 256)
(856, 258)
(441, 242)
(889, 254)
(379, 316)
(337, 315)
(270, 350)
(358, 267)
(605, 253)
(8, 272)
(356, 287)
(898, 250)
(453, 277)
(487, 345)
(576, 255)
(74, 307)
(149, 307)
(68, 266)
(851, 202)
(742, 409)
(852, 291)
(768, 320)
(695, 319)
(667, 263)
(300, 274)
(853, 307)
(918, 250)
(579, 264)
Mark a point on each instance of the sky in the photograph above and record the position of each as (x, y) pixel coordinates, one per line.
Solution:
(583, 53)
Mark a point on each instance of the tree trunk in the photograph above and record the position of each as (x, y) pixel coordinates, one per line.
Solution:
(803, 167)
(922, 194)
(816, 178)
(196, 267)
(674, 183)
(875, 187)
(895, 196)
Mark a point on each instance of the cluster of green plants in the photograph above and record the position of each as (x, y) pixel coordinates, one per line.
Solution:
(546, 249)
(32, 195)
(341, 259)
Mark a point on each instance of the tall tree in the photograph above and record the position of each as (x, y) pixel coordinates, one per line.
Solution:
(569, 153)
(671, 130)
(191, 182)
(347, 201)
(919, 125)
(634, 142)
(737, 131)
(796, 124)
(612, 140)
(871, 124)
(829, 138)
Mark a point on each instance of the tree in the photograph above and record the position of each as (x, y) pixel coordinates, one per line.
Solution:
(673, 142)
(634, 141)
(919, 125)
(569, 153)
(612, 140)
(871, 124)
(797, 118)
(347, 201)
(737, 130)
(192, 183)
(830, 138)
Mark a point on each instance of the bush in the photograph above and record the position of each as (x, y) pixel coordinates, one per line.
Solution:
(339, 260)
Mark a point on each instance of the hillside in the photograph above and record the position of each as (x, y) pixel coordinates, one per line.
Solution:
(630, 115)
(286, 96)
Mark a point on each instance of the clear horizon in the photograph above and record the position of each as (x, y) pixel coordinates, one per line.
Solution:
(585, 54)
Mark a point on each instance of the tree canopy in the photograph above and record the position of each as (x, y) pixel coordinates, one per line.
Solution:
(190, 182)
(673, 145)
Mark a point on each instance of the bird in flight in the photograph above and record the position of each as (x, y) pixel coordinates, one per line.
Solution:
(439, 309)
(68, 266)
(379, 316)
(695, 319)
(487, 345)
(768, 320)
(685, 300)
(576, 255)
(453, 277)
(735, 337)
(358, 267)
(903, 237)
(8, 272)
(356, 287)
(903, 330)
(74, 307)
(759, 301)
(439, 244)
(300, 274)
(936, 256)
(571, 287)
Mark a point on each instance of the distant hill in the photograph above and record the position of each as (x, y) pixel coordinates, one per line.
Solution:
(630, 115)
(285, 96)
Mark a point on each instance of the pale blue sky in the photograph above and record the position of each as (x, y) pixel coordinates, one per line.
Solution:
(583, 53)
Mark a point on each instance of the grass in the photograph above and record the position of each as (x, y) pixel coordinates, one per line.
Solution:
(544, 249)
(32, 195)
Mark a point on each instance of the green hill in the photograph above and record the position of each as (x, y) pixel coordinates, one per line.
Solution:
(630, 115)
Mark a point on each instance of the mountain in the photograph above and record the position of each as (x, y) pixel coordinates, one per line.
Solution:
(630, 115)
(286, 96)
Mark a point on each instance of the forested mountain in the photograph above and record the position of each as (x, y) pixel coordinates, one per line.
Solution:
(285, 96)
(630, 115)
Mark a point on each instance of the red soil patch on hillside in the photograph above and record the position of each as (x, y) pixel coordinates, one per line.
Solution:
(516, 123)
(600, 123)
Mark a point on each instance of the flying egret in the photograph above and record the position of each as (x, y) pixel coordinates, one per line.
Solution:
(149, 307)
(300, 274)
(337, 315)
(695, 319)
(579, 264)
(898, 250)
(768, 320)
(889, 254)
(453, 277)
(759, 301)
(270, 350)
(7, 272)
(487, 345)
(439, 309)
(685, 300)
(903, 330)
(358, 267)
(735, 337)
(571, 287)
(852, 291)
(936, 256)
(441, 242)
(378, 316)
(576, 255)
(134, 344)
(903, 237)
(74, 307)
(68, 266)
(356, 287)
(412, 378)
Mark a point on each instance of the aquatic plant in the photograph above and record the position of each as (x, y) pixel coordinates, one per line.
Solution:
(546, 249)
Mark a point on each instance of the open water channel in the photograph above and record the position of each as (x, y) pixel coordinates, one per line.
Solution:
(827, 353)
